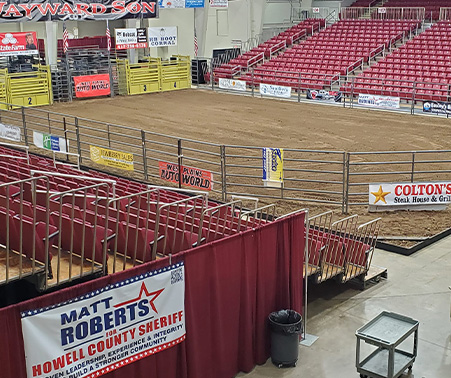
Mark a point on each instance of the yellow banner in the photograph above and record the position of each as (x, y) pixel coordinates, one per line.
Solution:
(272, 167)
(110, 158)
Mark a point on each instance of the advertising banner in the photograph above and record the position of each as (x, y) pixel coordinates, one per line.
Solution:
(323, 95)
(375, 101)
(163, 36)
(237, 85)
(192, 177)
(131, 38)
(63, 10)
(219, 3)
(110, 158)
(10, 132)
(410, 194)
(12, 44)
(181, 4)
(106, 329)
(272, 167)
(50, 142)
(437, 107)
(92, 85)
(275, 90)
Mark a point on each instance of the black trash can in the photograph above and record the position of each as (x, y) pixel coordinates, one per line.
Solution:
(285, 325)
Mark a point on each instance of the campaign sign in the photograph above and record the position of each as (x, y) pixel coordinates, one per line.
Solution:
(92, 85)
(437, 107)
(12, 44)
(237, 85)
(106, 329)
(111, 158)
(131, 38)
(10, 132)
(50, 142)
(272, 167)
(275, 90)
(192, 177)
(375, 101)
(163, 36)
(323, 95)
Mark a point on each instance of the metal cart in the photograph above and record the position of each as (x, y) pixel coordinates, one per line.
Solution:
(387, 331)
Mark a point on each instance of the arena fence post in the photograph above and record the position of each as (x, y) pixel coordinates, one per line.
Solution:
(343, 201)
(24, 123)
(346, 196)
(48, 120)
(223, 173)
(299, 88)
(65, 135)
(77, 133)
(212, 78)
(180, 160)
(413, 166)
(352, 93)
(143, 139)
(252, 83)
(109, 135)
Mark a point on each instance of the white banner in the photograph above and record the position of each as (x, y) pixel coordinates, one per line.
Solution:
(108, 328)
(237, 85)
(10, 132)
(50, 142)
(315, 10)
(163, 36)
(219, 3)
(275, 90)
(376, 101)
(410, 194)
(131, 38)
(381, 10)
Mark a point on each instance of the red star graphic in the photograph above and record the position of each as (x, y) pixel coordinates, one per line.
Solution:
(144, 290)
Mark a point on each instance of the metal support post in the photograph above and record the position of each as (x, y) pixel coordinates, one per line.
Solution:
(180, 160)
(144, 151)
(24, 123)
(77, 133)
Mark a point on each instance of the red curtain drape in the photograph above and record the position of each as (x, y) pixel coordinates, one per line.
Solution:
(231, 287)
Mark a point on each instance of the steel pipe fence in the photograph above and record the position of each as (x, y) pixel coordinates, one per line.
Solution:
(334, 178)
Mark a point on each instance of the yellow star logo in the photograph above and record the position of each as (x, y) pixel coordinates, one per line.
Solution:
(380, 195)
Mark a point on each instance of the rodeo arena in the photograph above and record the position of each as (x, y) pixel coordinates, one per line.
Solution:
(225, 188)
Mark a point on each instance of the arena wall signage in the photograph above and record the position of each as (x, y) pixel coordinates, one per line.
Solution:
(173, 4)
(110, 158)
(46, 10)
(50, 142)
(219, 3)
(10, 132)
(12, 44)
(437, 107)
(192, 177)
(323, 95)
(163, 36)
(275, 90)
(375, 101)
(237, 85)
(92, 85)
(272, 159)
(106, 329)
(410, 195)
(131, 38)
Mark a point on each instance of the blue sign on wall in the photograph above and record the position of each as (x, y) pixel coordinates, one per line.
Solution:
(174, 4)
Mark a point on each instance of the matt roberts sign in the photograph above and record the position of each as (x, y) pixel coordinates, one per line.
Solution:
(410, 194)
(106, 329)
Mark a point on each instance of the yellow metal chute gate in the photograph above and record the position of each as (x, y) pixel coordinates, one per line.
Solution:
(29, 88)
(3, 88)
(176, 73)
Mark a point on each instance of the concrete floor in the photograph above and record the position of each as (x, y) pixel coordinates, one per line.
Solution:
(417, 286)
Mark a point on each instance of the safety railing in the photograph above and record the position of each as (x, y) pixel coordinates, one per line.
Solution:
(445, 14)
(382, 13)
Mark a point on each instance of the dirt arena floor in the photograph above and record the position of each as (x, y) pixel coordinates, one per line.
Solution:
(231, 119)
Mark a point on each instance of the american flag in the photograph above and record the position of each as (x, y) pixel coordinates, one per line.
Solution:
(196, 46)
(65, 39)
(108, 36)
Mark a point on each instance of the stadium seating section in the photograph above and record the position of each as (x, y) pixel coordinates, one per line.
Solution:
(432, 7)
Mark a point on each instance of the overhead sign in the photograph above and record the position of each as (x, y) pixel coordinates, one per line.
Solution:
(163, 36)
(219, 3)
(50, 142)
(110, 158)
(437, 107)
(181, 4)
(12, 44)
(272, 167)
(92, 85)
(323, 95)
(47, 10)
(106, 329)
(275, 90)
(192, 177)
(315, 10)
(375, 101)
(131, 38)
(10, 132)
(237, 85)
(410, 194)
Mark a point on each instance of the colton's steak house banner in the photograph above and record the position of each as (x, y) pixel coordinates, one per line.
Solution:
(46, 10)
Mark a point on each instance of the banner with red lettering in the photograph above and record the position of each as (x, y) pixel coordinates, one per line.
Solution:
(192, 177)
(92, 85)
(410, 194)
(18, 44)
(63, 10)
(106, 329)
